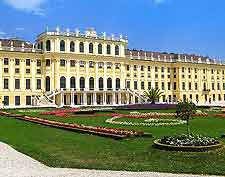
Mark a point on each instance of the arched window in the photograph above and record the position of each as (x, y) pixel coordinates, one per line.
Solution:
(100, 83)
(82, 83)
(47, 84)
(41, 45)
(81, 47)
(62, 82)
(109, 83)
(91, 83)
(99, 48)
(72, 46)
(91, 48)
(117, 84)
(72, 82)
(204, 86)
(108, 49)
(117, 50)
(48, 45)
(62, 45)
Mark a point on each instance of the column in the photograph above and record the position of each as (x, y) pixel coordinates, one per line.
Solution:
(87, 77)
(52, 83)
(96, 76)
(114, 77)
(62, 99)
(119, 98)
(77, 76)
(114, 98)
(67, 74)
(72, 98)
(84, 98)
(33, 72)
(133, 99)
(127, 98)
(95, 98)
(104, 98)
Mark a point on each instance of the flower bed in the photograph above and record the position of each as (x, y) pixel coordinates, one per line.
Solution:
(60, 112)
(188, 143)
(148, 122)
(103, 131)
(149, 106)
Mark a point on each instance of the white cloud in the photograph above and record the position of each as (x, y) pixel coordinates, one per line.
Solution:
(159, 1)
(2, 34)
(33, 6)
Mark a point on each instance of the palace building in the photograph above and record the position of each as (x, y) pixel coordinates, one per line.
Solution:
(75, 68)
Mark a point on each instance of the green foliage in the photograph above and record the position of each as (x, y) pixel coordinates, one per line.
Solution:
(185, 110)
(152, 95)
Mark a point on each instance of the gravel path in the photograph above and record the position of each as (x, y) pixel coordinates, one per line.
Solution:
(16, 164)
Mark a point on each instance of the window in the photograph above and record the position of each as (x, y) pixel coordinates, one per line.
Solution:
(128, 84)
(213, 86)
(6, 100)
(203, 71)
(218, 86)
(214, 97)
(142, 68)
(109, 65)
(156, 69)
(62, 82)
(174, 86)
(72, 46)
(189, 70)
(91, 83)
(100, 65)
(162, 69)
(6, 83)
(38, 62)
(27, 71)
(117, 66)
(81, 47)
(72, 63)
(117, 50)
(117, 84)
(28, 100)
(27, 62)
(48, 62)
(82, 63)
(142, 85)
(196, 86)
(99, 48)
(183, 85)
(82, 83)
(149, 85)
(62, 62)
(128, 67)
(212, 71)
(17, 70)
(135, 67)
(149, 68)
(135, 85)
(17, 100)
(62, 46)
(17, 61)
(48, 45)
(190, 86)
(109, 83)
(6, 70)
(223, 86)
(182, 69)
(174, 70)
(108, 49)
(163, 86)
(168, 85)
(6, 61)
(27, 84)
(168, 70)
(156, 76)
(91, 48)
(72, 82)
(156, 85)
(100, 83)
(91, 64)
(38, 84)
(17, 83)
(38, 71)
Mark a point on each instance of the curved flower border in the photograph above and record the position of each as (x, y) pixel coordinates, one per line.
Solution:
(151, 122)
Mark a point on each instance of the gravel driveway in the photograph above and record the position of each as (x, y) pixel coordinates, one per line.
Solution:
(16, 164)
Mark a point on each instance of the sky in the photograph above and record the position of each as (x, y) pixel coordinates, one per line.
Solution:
(173, 26)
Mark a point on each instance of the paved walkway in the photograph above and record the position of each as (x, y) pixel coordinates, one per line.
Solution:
(16, 164)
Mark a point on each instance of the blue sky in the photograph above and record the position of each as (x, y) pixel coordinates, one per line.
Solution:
(180, 26)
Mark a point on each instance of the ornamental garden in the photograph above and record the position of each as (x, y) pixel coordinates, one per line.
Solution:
(178, 138)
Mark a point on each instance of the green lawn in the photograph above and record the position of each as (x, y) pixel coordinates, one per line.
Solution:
(61, 148)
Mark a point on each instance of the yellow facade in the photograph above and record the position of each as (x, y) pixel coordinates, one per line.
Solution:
(70, 68)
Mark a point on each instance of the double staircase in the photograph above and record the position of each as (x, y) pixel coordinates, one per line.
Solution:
(137, 94)
(47, 99)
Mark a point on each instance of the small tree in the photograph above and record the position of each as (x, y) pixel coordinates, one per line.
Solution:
(152, 95)
(184, 111)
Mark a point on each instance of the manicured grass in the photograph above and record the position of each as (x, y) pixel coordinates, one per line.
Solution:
(61, 148)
